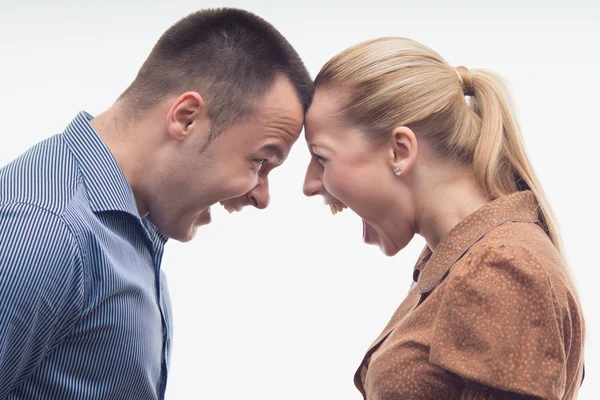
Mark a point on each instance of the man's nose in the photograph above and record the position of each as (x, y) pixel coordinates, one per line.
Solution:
(312, 181)
(259, 196)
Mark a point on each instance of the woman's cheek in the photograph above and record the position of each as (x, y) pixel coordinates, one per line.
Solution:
(340, 185)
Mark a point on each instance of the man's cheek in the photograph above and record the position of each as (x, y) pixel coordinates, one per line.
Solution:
(238, 187)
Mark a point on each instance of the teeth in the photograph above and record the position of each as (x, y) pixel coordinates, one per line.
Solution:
(337, 208)
(228, 208)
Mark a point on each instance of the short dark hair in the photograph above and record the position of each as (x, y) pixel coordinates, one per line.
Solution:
(230, 56)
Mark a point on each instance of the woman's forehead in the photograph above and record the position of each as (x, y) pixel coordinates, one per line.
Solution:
(325, 114)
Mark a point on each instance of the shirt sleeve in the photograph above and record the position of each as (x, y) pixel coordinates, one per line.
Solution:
(41, 289)
(497, 325)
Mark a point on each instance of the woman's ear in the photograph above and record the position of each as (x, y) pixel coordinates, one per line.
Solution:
(403, 150)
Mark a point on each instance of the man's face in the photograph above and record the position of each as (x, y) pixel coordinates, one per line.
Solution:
(232, 170)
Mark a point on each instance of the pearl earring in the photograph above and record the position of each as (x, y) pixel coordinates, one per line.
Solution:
(398, 171)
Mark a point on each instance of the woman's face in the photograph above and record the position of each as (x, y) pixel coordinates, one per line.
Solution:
(348, 169)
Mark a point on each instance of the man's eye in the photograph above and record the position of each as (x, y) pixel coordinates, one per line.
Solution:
(260, 162)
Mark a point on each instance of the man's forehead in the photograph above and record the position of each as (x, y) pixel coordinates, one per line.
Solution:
(276, 119)
(281, 105)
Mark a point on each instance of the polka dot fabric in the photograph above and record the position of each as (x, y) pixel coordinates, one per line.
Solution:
(491, 307)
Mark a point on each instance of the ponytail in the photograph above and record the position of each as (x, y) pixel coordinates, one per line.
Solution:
(500, 161)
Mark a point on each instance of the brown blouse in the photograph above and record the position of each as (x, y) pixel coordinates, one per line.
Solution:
(492, 307)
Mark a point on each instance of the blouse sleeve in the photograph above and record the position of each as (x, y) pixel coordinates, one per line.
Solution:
(478, 392)
(497, 326)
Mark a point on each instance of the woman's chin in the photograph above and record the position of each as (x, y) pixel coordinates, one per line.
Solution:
(388, 249)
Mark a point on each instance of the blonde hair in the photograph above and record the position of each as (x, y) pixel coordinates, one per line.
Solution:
(463, 115)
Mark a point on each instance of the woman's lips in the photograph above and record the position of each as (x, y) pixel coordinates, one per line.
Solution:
(369, 234)
(364, 230)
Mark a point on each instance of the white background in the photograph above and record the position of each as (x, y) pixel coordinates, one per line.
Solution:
(282, 303)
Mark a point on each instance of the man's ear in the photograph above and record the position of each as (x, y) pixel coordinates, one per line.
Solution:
(184, 114)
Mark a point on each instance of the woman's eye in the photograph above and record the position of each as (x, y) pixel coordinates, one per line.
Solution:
(320, 159)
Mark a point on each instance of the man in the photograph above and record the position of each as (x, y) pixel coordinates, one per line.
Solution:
(84, 215)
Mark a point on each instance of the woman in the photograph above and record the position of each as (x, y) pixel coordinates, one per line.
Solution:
(414, 146)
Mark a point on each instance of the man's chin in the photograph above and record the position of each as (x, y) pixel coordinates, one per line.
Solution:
(185, 237)
(181, 235)
(185, 234)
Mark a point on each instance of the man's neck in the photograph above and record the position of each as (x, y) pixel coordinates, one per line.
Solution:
(122, 139)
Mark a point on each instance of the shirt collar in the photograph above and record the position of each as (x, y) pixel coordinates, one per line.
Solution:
(433, 266)
(107, 188)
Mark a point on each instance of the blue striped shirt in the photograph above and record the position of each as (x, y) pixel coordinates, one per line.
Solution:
(84, 308)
